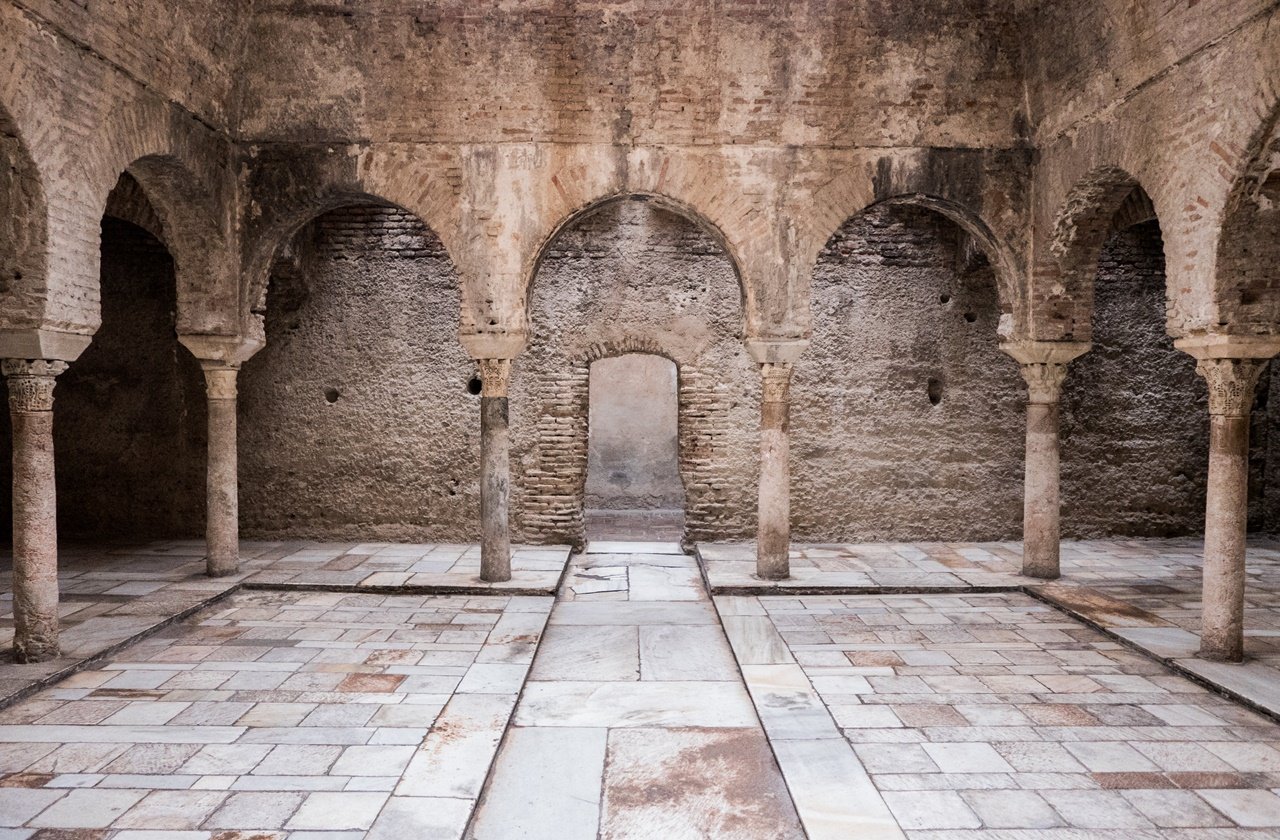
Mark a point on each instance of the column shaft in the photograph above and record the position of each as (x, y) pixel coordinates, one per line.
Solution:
(1231, 385)
(773, 539)
(1041, 500)
(495, 471)
(1226, 508)
(35, 509)
(222, 489)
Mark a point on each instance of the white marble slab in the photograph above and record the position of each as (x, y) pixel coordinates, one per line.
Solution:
(588, 653)
(832, 792)
(629, 612)
(455, 757)
(685, 653)
(619, 704)
(755, 640)
(545, 786)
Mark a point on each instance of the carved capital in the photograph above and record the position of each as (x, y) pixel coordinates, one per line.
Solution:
(220, 379)
(494, 377)
(31, 382)
(1231, 384)
(1044, 381)
(775, 378)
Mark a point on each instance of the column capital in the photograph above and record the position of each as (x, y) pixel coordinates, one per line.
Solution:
(1044, 381)
(495, 375)
(1231, 384)
(775, 381)
(31, 382)
(220, 379)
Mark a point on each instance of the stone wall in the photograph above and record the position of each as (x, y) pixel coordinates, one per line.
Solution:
(1135, 423)
(906, 417)
(356, 421)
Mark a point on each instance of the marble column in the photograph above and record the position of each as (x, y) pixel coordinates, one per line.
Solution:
(1044, 369)
(776, 357)
(221, 357)
(773, 541)
(495, 471)
(222, 484)
(1231, 386)
(35, 529)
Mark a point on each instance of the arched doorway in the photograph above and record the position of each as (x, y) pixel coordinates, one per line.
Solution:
(633, 485)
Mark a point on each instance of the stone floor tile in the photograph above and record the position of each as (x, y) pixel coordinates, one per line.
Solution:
(930, 810)
(18, 805)
(1012, 809)
(1095, 809)
(421, 818)
(255, 811)
(967, 758)
(1175, 809)
(681, 653)
(455, 757)
(373, 761)
(330, 811)
(1247, 808)
(610, 704)
(547, 781)
(87, 808)
(832, 792)
(174, 810)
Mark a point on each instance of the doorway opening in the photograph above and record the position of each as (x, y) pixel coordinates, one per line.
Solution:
(633, 488)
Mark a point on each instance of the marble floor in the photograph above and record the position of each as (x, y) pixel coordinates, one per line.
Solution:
(640, 703)
(112, 595)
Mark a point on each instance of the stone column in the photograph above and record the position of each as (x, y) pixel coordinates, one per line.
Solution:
(35, 528)
(1231, 385)
(495, 471)
(1044, 369)
(776, 357)
(220, 358)
(1230, 366)
(773, 540)
(222, 483)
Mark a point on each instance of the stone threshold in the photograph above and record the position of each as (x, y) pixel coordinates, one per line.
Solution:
(244, 582)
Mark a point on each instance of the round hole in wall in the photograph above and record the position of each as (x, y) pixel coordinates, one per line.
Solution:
(474, 385)
(970, 317)
(944, 298)
(331, 395)
(934, 389)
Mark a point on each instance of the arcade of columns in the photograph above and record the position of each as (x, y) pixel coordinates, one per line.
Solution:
(1230, 365)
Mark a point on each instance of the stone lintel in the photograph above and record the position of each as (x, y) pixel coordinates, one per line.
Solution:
(1030, 352)
(506, 345)
(1223, 346)
(230, 350)
(42, 344)
(776, 350)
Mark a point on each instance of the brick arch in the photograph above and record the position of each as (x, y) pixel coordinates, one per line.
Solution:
(1247, 277)
(182, 168)
(1063, 280)
(23, 231)
(202, 256)
(662, 201)
(1002, 260)
(285, 224)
